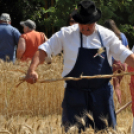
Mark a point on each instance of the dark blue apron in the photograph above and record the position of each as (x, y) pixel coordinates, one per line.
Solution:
(94, 95)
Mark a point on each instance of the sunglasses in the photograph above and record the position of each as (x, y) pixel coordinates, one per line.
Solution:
(72, 21)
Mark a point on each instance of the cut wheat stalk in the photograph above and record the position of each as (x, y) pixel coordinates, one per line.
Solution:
(22, 78)
(122, 108)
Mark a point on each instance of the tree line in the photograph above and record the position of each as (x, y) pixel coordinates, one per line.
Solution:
(56, 16)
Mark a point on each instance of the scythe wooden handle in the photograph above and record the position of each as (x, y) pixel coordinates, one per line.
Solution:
(22, 78)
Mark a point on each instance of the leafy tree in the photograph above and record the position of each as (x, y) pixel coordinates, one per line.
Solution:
(24, 9)
(121, 11)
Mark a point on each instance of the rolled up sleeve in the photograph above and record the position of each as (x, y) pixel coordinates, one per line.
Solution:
(54, 45)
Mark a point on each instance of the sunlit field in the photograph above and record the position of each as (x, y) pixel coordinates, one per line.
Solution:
(36, 109)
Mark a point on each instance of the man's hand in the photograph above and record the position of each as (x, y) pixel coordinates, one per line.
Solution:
(31, 77)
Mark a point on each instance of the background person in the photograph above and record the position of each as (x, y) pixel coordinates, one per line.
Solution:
(80, 45)
(131, 85)
(117, 65)
(71, 21)
(29, 41)
(110, 24)
(9, 37)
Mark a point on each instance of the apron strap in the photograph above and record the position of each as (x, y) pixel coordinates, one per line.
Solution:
(100, 39)
(81, 40)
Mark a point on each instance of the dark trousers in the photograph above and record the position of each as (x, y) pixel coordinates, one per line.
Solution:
(98, 102)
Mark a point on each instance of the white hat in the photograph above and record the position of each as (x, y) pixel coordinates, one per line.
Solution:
(29, 23)
(5, 17)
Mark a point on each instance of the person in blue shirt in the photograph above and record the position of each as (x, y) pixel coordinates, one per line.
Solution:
(9, 37)
(110, 24)
(117, 65)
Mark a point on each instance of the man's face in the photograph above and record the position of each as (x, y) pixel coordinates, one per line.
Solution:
(87, 29)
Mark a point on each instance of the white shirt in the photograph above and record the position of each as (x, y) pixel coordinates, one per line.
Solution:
(68, 40)
(133, 49)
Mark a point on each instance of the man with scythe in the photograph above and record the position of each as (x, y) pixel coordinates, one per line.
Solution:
(88, 49)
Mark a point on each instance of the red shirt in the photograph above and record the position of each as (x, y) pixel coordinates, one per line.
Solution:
(130, 69)
(32, 39)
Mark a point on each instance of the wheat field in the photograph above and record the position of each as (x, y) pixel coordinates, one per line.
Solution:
(36, 109)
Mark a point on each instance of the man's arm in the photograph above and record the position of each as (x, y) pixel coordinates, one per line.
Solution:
(130, 60)
(116, 48)
(21, 48)
(52, 46)
(38, 58)
(16, 35)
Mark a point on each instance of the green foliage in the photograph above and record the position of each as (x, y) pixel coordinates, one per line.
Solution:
(119, 10)
(129, 31)
(62, 10)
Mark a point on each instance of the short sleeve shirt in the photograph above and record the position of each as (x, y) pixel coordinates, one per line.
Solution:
(133, 49)
(9, 37)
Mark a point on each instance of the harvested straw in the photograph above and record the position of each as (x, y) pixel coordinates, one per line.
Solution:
(22, 78)
(122, 108)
